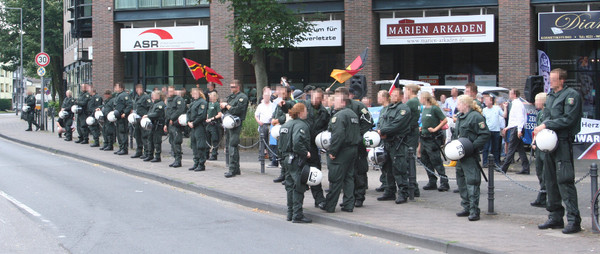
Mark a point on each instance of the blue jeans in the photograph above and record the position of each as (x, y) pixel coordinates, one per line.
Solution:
(492, 146)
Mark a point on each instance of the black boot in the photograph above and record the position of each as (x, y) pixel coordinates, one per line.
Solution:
(85, 141)
(96, 143)
(109, 147)
(137, 154)
(156, 158)
(430, 186)
(444, 187)
(212, 158)
(149, 158)
(193, 167)
(279, 179)
(176, 164)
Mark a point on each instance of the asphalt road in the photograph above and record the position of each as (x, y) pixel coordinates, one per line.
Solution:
(54, 204)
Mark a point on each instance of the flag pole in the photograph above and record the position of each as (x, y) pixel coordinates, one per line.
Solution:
(331, 85)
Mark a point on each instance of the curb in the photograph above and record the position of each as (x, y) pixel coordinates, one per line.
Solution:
(405, 237)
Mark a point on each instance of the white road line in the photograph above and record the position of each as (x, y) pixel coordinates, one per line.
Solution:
(19, 204)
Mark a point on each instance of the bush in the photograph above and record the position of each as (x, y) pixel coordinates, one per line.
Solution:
(55, 105)
(5, 104)
(250, 126)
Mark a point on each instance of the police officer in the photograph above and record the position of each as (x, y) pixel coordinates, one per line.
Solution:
(236, 105)
(122, 105)
(68, 102)
(140, 107)
(284, 103)
(108, 127)
(394, 127)
(29, 115)
(213, 118)
(383, 99)
(563, 115)
(345, 137)
(410, 93)
(317, 120)
(175, 107)
(95, 102)
(294, 142)
(196, 116)
(540, 201)
(157, 116)
(82, 128)
(432, 121)
(471, 125)
(361, 166)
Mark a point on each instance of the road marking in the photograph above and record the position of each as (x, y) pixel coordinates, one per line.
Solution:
(19, 204)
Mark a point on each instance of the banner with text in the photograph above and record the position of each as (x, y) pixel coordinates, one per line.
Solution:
(323, 34)
(569, 26)
(164, 38)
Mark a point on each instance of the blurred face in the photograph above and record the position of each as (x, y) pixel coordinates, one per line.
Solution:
(266, 95)
(422, 100)
(210, 86)
(171, 92)
(512, 95)
(469, 92)
(155, 96)
(338, 101)
(83, 87)
(139, 90)
(555, 82)
(539, 104)
(106, 96)
(195, 94)
(462, 107)
(396, 96)
(234, 88)
(118, 88)
(316, 98)
(212, 97)
(303, 114)
(443, 98)
(454, 92)
(488, 102)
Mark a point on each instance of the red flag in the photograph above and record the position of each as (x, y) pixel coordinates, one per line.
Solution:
(212, 76)
(203, 71)
(354, 67)
(396, 83)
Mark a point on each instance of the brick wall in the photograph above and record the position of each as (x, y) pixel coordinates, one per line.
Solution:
(516, 52)
(361, 30)
(108, 60)
(222, 58)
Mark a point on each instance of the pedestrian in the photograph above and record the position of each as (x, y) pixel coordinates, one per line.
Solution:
(540, 201)
(563, 115)
(471, 125)
(157, 116)
(449, 105)
(394, 127)
(345, 137)
(294, 143)
(383, 99)
(141, 105)
(95, 102)
(68, 102)
(210, 87)
(213, 120)
(317, 120)
(284, 102)
(471, 90)
(108, 127)
(236, 105)
(432, 121)
(514, 129)
(494, 115)
(412, 101)
(82, 128)
(29, 115)
(175, 107)
(361, 165)
(262, 115)
(122, 106)
(196, 116)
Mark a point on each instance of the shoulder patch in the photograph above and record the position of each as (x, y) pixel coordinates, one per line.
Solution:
(159, 107)
(97, 99)
(354, 120)
(364, 111)
(482, 125)
(283, 130)
(241, 99)
(302, 131)
(571, 101)
(202, 106)
(402, 112)
(178, 102)
(333, 119)
(126, 97)
(149, 100)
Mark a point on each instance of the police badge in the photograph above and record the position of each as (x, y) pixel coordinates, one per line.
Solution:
(571, 101)
(482, 125)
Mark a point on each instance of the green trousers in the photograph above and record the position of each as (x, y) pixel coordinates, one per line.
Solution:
(156, 140)
(361, 167)
(147, 142)
(175, 139)
(468, 178)
(95, 131)
(122, 132)
(82, 127)
(413, 141)
(432, 159)
(108, 132)
(396, 168)
(199, 146)
(68, 130)
(294, 188)
(233, 135)
(559, 176)
(341, 176)
(315, 161)
(539, 172)
(137, 135)
(212, 135)
(30, 116)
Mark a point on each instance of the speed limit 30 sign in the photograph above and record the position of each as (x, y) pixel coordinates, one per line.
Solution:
(42, 59)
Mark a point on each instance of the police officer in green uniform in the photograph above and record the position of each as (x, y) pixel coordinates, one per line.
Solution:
(361, 165)
(411, 91)
(471, 125)
(122, 105)
(29, 115)
(383, 99)
(236, 105)
(196, 116)
(540, 201)
(317, 120)
(279, 118)
(294, 147)
(563, 111)
(157, 116)
(345, 137)
(175, 107)
(82, 128)
(432, 121)
(394, 127)
(141, 106)
(94, 103)
(68, 102)
(108, 128)
(213, 127)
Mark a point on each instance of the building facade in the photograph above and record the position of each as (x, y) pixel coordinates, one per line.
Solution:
(443, 42)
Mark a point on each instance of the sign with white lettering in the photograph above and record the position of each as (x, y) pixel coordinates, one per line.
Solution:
(437, 30)
(164, 38)
(569, 26)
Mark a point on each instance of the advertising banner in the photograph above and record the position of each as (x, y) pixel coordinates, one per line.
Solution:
(587, 141)
(568, 26)
(164, 38)
(544, 69)
(323, 34)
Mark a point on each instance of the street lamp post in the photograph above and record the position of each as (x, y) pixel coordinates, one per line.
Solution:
(20, 87)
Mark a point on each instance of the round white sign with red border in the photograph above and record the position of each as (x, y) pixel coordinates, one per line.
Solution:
(42, 59)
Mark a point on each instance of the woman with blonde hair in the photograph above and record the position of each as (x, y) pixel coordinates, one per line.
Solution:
(432, 121)
(471, 125)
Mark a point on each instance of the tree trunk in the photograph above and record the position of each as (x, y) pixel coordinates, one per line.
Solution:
(57, 81)
(260, 72)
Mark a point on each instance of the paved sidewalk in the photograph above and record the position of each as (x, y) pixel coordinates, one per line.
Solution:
(429, 221)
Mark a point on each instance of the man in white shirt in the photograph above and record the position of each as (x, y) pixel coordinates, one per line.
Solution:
(450, 104)
(514, 129)
(264, 112)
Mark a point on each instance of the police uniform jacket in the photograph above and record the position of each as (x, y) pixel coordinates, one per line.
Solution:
(123, 104)
(472, 126)
(67, 104)
(175, 107)
(213, 110)
(281, 111)
(239, 105)
(142, 104)
(295, 138)
(364, 116)
(83, 100)
(345, 131)
(197, 112)
(317, 119)
(394, 121)
(414, 106)
(563, 113)
(30, 101)
(157, 112)
(94, 103)
(109, 105)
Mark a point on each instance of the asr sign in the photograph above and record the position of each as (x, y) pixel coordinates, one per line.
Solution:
(569, 26)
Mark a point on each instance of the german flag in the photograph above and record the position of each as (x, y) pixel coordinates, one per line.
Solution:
(202, 71)
(357, 65)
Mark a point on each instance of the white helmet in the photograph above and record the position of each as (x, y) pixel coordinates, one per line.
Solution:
(275, 131)
(26, 108)
(76, 109)
(63, 114)
(377, 156)
(90, 120)
(311, 176)
(133, 118)
(98, 115)
(111, 117)
(458, 148)
(371, 139)
(546, 140)
(231, 121)
(182, 120)
(146, 124)
(323, 140)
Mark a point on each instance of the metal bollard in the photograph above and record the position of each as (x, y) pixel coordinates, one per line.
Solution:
(52, 116)
(261, 150)
(412, 174)
(227, 147)
(491, 198)
(594, 184)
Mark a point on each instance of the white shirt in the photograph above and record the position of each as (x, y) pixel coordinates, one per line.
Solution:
(264, 112)
(517, 115)
(451, 104)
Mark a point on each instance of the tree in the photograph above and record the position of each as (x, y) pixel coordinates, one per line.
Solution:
(53, 38)
(260, 28)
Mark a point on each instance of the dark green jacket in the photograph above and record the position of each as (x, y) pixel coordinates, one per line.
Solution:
(157, 112)
(197, 112)
(415, 107)
(345, 131)
(295, 138)
(472, 125)
(109, 105)
(213, 109)
(366, 122)
(563, 112)
(93, 103)
(30, 101)
(239, 105)
(317, 119)
(394, 121)
(175, 107)
(83, 100)
(123, 104)
(142, 104)
(68, 102)
(281, 111)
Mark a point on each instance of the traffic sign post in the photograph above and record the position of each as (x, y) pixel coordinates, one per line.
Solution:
(42, 59)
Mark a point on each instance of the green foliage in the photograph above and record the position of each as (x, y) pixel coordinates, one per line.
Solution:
(250, 126)
(55, 105)
(5, 104)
